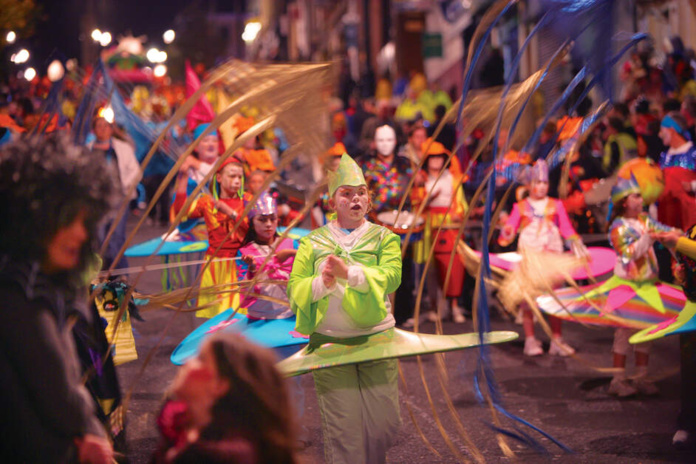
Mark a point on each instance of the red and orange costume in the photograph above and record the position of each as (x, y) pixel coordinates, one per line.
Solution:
(219, 226)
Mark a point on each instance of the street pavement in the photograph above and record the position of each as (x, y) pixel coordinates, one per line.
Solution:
(564, 397)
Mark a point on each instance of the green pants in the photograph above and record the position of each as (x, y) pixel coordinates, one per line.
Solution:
(359, 405)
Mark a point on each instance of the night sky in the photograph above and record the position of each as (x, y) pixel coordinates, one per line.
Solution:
(59, 28)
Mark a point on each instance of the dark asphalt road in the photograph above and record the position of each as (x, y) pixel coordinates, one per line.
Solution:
(564, 397)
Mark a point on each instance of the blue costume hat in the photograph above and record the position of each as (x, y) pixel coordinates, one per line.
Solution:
(200, 128)
(624, 188)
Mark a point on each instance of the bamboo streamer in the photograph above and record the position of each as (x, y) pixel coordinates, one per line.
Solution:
(436, 416)
(442, 379)
(316, 141)
(413, 417)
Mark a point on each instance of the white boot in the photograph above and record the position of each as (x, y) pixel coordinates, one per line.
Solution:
(560, 348)
(457, 314)
(532, 347)
(680, 438)
(620, 386)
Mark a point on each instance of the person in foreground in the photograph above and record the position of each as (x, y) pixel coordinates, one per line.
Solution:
(339, 286)
(229, 405)
(52, 196)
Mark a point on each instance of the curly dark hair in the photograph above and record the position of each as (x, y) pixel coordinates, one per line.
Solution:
(45, 182)
(257, 404)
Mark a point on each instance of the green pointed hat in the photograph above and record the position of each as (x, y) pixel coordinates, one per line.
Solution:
(348, 173)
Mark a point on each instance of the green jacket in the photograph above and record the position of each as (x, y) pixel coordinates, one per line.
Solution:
(379, 253)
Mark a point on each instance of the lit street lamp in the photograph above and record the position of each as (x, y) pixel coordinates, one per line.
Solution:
(168, 36)
(11, 37)
(251, 30)
(156, 56)
(30, 74)
(55, 71)
(105, 39)
(160, 70)
(20, 57)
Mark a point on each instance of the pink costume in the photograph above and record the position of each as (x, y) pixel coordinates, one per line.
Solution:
(272, 270)
(271, 274)
(542, 224)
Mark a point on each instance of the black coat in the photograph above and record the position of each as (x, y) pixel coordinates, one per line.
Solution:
(43, 404)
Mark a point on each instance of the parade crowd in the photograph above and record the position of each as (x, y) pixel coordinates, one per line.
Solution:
(399, 174)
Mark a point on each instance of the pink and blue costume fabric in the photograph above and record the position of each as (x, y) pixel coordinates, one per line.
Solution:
(267, 323)
(268, 268)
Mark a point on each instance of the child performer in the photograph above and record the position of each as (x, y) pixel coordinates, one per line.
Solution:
(542, 223)
(445, 209)
(221, 213)
(256, 262)
(193, 171)
(338, 288)
(631, 233)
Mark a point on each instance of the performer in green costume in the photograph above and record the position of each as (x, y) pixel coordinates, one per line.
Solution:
(339, 287)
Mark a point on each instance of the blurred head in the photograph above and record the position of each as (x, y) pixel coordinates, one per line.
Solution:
(633, 205)
(385, 140)
(436, 155)
(333, 156)
(688, 109)
(255, 181)
(615, 125)
(102, 129)
(250, 143)
(351, 205)
(383, 109)
(230, 179)
(624, 189)
(417, 136)
(673, 130)
(199, 384)
(620, 110)
(208, 149)
(238, 385)
(265, 227)
(52, 197)
(440, 110)
(264, 220)
(670, 105)
(538, 189)
(63, 250)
